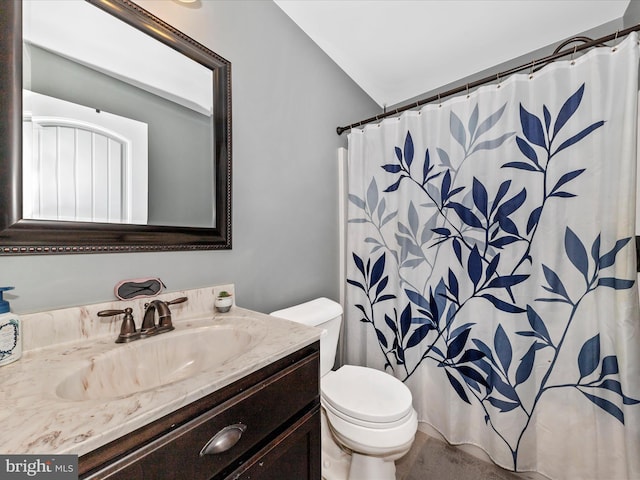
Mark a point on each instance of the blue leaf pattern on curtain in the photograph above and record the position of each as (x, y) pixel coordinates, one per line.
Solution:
(476, 225)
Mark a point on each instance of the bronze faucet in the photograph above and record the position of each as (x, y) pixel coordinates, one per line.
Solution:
(128, 331)
(149, 326)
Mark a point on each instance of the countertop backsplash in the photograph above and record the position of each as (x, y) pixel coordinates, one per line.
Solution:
(43, 329)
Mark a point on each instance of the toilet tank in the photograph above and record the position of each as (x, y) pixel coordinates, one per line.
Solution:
(321, 313)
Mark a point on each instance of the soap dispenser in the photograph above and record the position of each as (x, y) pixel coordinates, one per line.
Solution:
(10, 332)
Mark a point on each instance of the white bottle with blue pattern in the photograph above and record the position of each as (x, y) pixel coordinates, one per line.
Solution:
(10, 332)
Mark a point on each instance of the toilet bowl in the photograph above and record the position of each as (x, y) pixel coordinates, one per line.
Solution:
(368, 421)
(369, 412)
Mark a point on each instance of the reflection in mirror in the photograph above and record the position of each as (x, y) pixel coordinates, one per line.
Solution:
(82, 164)
(85, 171)
(125, 132)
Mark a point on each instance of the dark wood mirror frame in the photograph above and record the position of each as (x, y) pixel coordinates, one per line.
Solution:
(22, 236)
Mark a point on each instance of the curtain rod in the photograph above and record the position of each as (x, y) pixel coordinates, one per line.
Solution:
(558, 53)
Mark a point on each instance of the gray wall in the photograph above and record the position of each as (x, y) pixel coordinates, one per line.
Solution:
(288, 97)
(632, 14)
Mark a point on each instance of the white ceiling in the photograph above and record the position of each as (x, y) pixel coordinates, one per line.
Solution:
(399, 49)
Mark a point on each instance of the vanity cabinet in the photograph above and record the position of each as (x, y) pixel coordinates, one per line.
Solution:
(276, 409)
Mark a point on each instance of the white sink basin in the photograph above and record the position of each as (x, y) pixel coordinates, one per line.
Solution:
(153, 362)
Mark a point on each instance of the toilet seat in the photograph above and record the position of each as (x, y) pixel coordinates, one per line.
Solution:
(366, 397)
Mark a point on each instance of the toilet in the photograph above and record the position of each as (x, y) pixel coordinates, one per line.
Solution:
(368, 421)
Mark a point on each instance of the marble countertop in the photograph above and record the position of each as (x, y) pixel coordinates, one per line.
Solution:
(34, 419)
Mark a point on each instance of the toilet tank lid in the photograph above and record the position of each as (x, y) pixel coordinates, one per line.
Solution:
(312, 313)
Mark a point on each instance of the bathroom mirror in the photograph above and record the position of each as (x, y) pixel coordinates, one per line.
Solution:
(180, 103)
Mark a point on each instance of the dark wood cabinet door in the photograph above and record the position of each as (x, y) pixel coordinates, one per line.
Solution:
(292, 455)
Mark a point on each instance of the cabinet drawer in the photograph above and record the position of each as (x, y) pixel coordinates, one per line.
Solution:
(263, 409)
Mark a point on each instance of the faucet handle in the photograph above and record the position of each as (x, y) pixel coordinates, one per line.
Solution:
(128, 331)
(177, 300)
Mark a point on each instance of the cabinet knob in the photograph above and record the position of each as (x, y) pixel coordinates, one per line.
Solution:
(224, 439)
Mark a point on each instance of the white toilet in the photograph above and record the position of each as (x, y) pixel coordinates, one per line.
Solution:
(368, 420)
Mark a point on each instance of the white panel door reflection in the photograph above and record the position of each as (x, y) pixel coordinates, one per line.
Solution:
(82, 165)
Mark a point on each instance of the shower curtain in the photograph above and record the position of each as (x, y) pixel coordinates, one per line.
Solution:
(491, 265)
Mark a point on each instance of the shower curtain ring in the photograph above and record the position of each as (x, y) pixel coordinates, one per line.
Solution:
(615, 47)
(439, 101)
(575, 49)
(498, 79)
(533, 66)
(467, 90)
